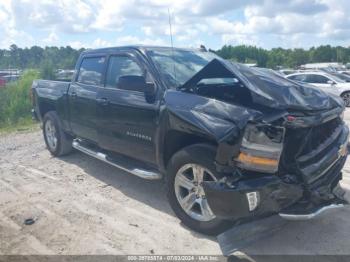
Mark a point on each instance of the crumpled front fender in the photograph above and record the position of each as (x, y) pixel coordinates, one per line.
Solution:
(218, 120)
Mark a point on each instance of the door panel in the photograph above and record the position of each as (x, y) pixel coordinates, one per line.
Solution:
(324, 87)
(82, 103)
(319, 81)
(126, 122)
(82, 96)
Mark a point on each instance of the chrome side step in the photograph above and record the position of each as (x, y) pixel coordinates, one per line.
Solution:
(143, 173)
(311, 215)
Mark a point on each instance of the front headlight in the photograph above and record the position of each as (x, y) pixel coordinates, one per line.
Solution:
(261, 148)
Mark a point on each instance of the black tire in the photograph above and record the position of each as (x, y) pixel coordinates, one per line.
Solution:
(346, 98)
(64, 141)
(203, 155)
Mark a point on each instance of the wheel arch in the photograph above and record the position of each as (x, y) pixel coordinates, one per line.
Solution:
(344, 92)
(175, 141)
(45, 107)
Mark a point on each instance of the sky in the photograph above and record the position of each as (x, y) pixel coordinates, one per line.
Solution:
(213, 23)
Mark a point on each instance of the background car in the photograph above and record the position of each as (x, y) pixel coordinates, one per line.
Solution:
(328, 82)
(2, 82)
(338, 74)
(344, 73)
(344, 77)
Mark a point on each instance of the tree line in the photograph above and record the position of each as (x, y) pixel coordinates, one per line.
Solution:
(37, 57)
(291, 58)
(50, 58)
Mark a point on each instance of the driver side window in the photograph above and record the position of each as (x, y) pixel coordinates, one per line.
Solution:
(317, 79)
(120, 66)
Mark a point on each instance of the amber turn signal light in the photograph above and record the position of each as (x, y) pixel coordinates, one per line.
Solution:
(244, 158)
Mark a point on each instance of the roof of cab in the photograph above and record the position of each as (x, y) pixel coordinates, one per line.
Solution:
(141, 48)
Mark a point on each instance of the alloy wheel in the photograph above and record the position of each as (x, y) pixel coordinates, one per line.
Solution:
(190, 193)
(346, 98)
(51, 134)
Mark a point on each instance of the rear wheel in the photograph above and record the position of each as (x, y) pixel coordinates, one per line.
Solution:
(187, 170)
(346, 97)
(56, 140)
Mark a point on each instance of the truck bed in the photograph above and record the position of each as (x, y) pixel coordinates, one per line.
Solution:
(50, 95)
(50, 89)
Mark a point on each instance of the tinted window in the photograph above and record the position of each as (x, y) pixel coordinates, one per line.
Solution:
(120, 66)
(343, 77)
(301, 78)
(91, 70)
(317, 79)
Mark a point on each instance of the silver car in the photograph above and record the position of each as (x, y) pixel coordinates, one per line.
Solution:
(325, 81)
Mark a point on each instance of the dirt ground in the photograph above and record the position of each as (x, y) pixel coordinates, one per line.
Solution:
(83, 206)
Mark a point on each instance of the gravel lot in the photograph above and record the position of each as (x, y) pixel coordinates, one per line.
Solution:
(83, 206)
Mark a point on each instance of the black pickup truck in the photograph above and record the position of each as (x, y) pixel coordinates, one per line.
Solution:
(232, 143)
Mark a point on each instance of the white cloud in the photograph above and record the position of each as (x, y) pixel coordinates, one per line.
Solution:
(52, 38)
(77, 44)
(133, 40)
(67, 15)
(288, 20)
(193, 21)
(271, 8)
(98, 43)
(239, 39)
(8, 31)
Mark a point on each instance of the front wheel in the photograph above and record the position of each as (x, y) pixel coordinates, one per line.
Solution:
(186, 172)
(346, 98)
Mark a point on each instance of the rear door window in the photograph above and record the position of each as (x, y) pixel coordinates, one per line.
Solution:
(91, 70)
(317, 79)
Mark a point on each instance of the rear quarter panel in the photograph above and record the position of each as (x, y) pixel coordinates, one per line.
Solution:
(52, 95)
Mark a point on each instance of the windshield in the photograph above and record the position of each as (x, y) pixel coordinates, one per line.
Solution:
(342, 77)
(335, 78)
(177, 66)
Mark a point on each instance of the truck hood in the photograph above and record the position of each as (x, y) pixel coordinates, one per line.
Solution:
(267, 89)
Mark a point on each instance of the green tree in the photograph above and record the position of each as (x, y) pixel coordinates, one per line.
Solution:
(47, 71)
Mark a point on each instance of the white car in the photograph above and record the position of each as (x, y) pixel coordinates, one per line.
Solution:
(327, 82)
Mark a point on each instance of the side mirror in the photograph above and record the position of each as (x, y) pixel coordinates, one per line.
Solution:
(138, 83)
(132, 82)
(330, 82)
(150, 92)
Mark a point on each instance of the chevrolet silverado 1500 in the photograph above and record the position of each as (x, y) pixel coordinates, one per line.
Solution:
(232, 143)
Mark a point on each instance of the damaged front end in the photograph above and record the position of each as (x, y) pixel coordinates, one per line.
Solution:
(292, 169)
(285, 159)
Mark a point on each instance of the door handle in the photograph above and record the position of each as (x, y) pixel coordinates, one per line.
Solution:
(102, 101)
(74, 95)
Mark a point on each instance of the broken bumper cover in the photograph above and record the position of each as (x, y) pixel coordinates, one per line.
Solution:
(273, 195)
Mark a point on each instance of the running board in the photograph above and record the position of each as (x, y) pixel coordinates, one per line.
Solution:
(311, 215)
(143, 173)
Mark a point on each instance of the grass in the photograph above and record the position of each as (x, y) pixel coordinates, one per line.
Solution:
(15, 104)
(25, 125)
